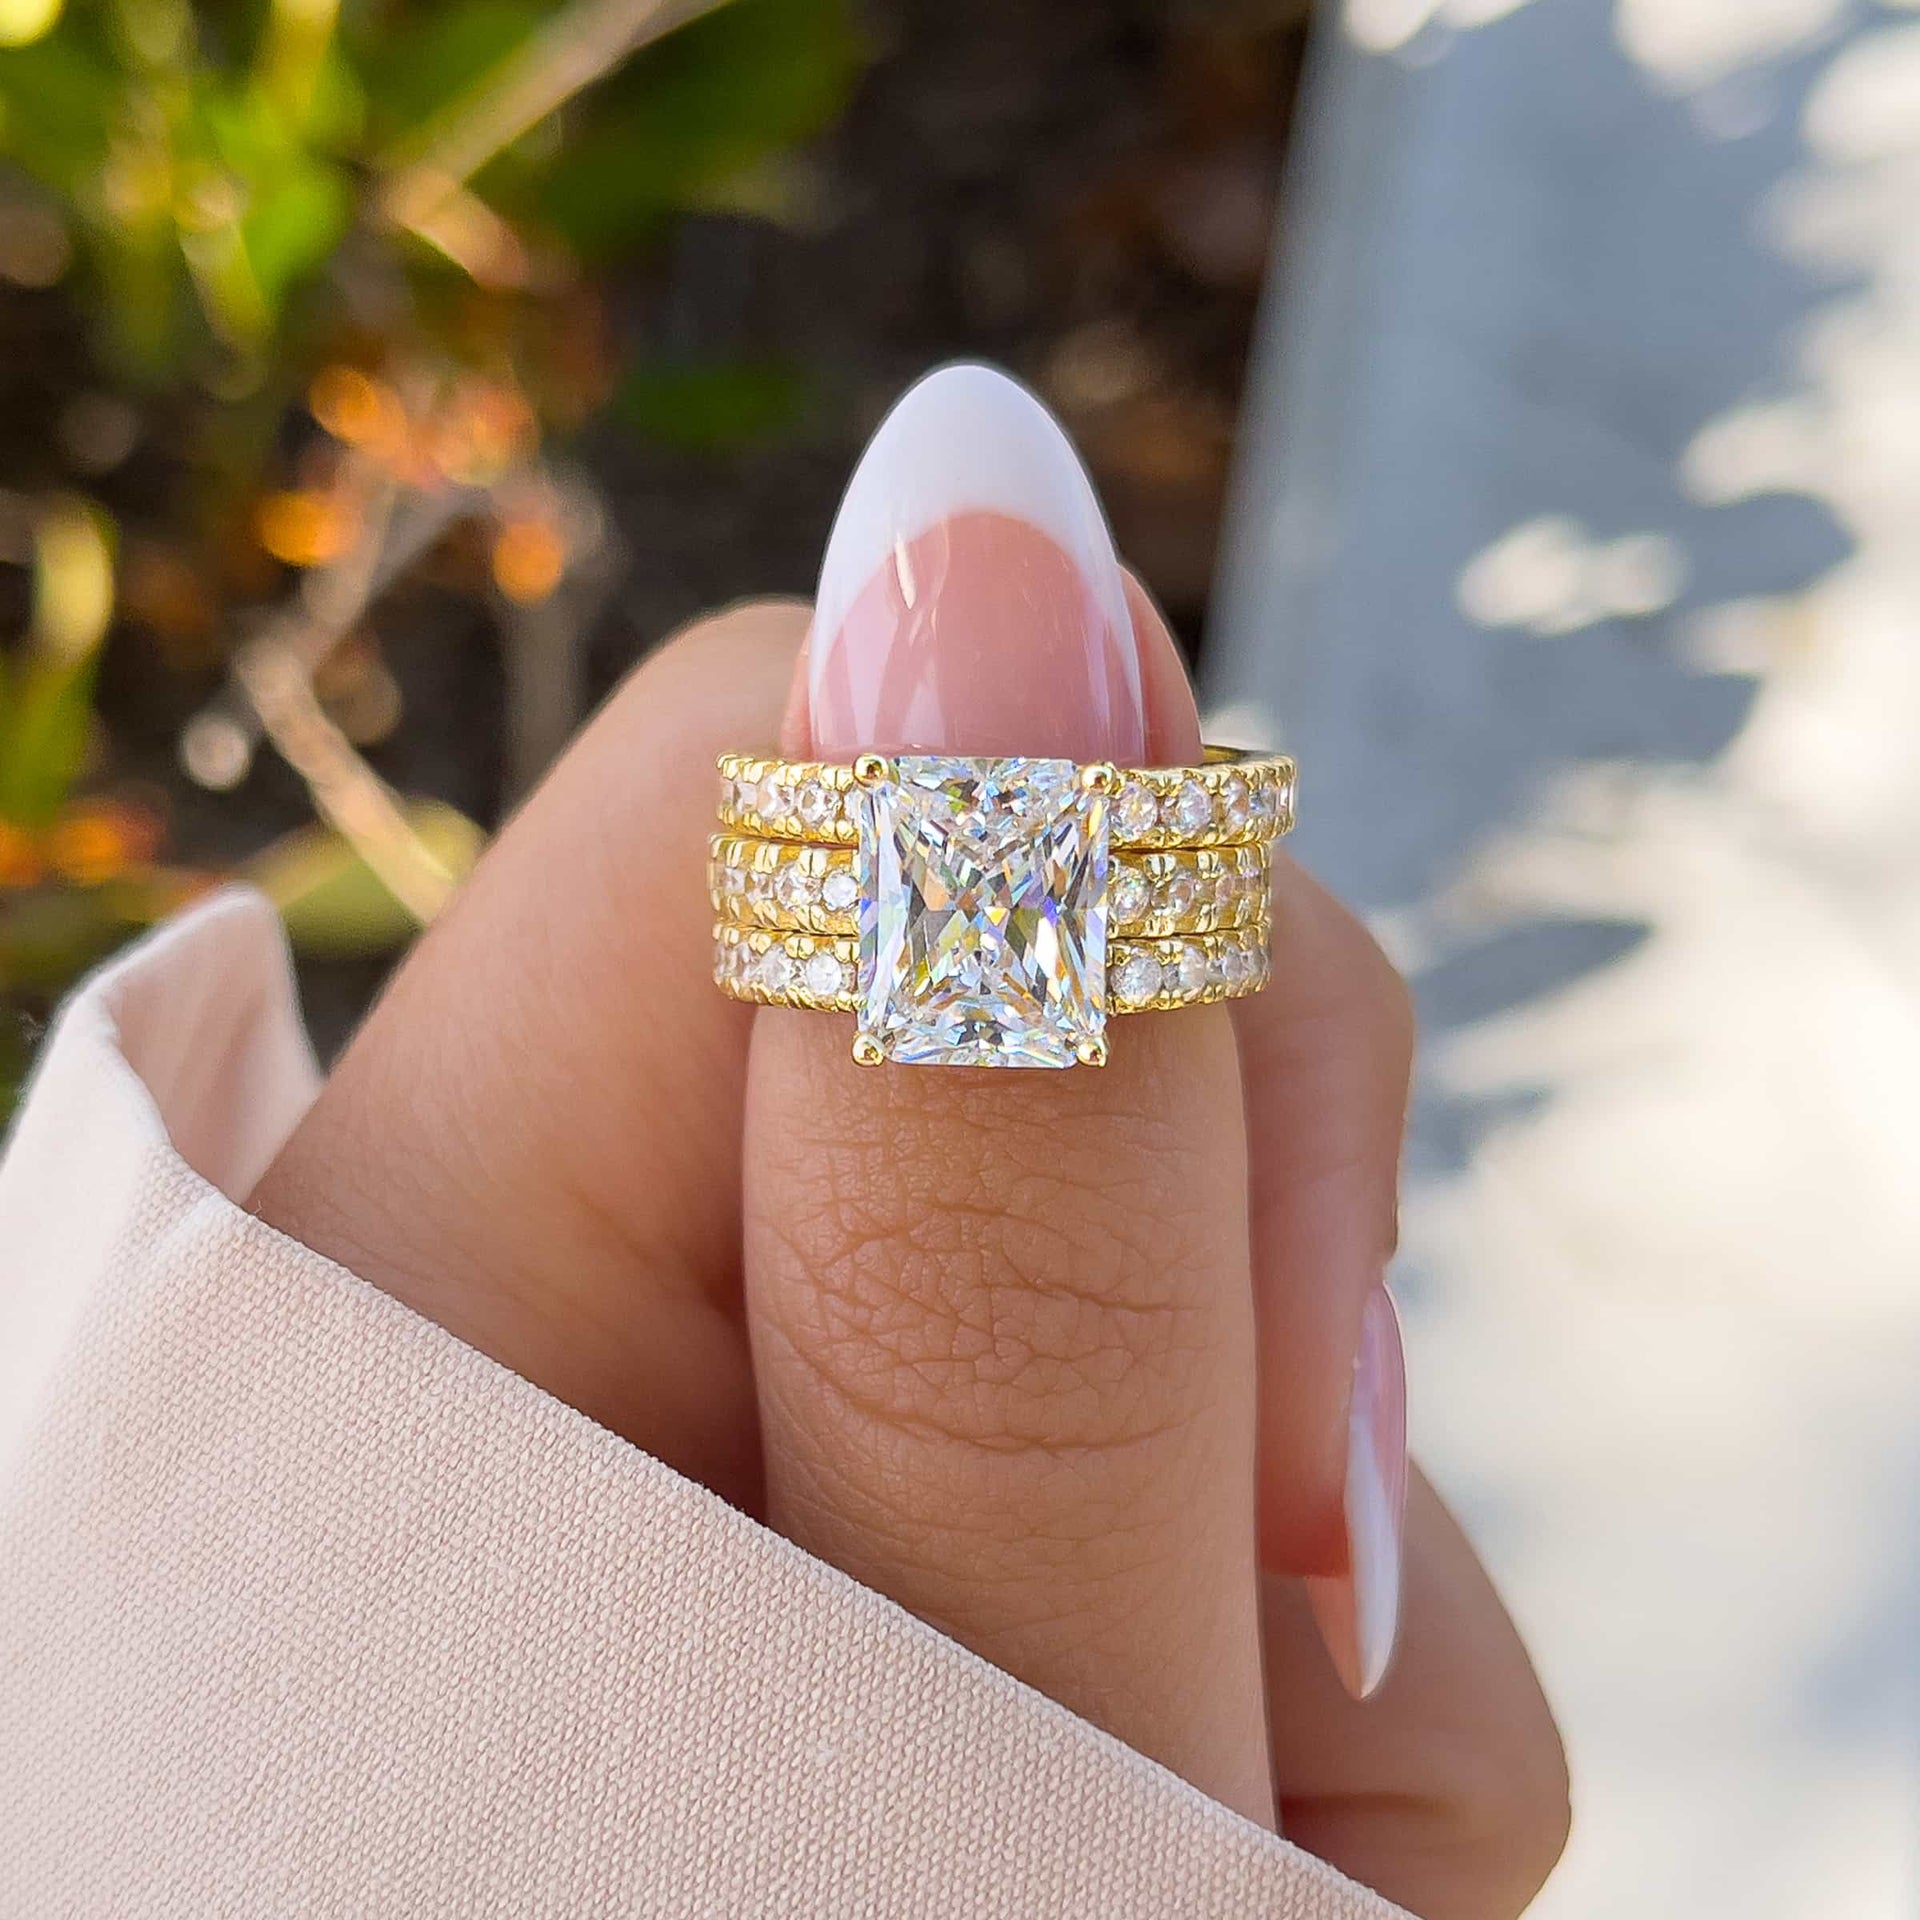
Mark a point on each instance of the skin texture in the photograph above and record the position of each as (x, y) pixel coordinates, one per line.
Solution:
(525, 1146)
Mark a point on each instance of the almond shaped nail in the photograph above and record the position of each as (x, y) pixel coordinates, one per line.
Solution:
(970, 599)
(1359, 1611)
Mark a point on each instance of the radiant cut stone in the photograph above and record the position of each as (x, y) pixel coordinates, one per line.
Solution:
(983, 913)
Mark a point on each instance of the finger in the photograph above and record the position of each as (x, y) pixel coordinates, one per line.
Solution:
(1448, 1790)
(534, 1139)
(1327, 1055)
(1002, 1320)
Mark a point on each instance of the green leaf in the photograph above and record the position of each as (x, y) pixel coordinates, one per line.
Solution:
(704, 104)
(49, 719)
(333, 903)
(293, 228)
(714, 406)
(413, 70)
(57, 102)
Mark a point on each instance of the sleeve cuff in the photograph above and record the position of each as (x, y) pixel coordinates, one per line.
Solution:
(312, 1609)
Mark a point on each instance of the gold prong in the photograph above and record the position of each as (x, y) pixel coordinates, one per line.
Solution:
(872, 770)
(1091, 1052)
(867, 1050)
(1102, 776)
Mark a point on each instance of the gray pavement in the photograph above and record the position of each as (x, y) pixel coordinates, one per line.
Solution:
(1577, 553)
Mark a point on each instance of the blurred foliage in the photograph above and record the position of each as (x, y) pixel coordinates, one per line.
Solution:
(213, 161)
(346, 249)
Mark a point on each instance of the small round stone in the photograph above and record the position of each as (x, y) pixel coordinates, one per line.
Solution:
(818, 804)
(732, 880)
(1236, 802)
(1191, 809)
(1132, 894)
(1135, 812)
(1265, 800)
(840, 891)
(823, 974)
(776, 799)
(1180, 891)
(1137, 979)
(776, 970)
(795, 887)
(1190, 969)
(1236, 966)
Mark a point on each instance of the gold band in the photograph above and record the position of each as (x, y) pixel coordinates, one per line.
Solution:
(1235, 798)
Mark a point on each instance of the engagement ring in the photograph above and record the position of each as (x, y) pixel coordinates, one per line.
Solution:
(994, 912)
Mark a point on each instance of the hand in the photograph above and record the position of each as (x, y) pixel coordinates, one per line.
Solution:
(1086, 1368)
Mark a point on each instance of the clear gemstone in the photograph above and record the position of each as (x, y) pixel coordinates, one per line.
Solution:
(983, 917)
(776, 799)
(1132, 894)
(818, 803)
(840, 890)
(1265, 800)
(796, 887)
(1236, 803)
(1137, 979)
(1191, 809)
(1190, 970)
(776, 970)
(1135, 812)
(1180, 891)
(823, 974)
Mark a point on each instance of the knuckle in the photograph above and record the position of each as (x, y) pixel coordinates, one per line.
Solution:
(1001, 1287)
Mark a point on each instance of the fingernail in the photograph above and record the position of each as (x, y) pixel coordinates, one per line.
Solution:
(1359, 1611)
(970, 600)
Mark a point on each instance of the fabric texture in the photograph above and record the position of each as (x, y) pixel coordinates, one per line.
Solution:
(308, 1609)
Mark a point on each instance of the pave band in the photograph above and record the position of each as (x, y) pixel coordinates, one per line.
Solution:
(994, 912)
(1235, 797)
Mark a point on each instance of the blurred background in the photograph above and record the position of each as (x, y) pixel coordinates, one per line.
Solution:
(1515, 403)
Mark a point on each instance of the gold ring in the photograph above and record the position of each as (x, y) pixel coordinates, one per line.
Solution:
(994, 912)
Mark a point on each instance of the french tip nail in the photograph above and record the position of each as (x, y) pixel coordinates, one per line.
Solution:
(1359, 1611)
(969, 445)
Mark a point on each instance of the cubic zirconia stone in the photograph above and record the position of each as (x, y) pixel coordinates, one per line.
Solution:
(1190, 970)
(1180, 891)
(1132, 894)
(818, 803)
(796, 888)
(840, 891)
(1191, 809)
(1236, 803)
(1135, 812)
(776, 799)
(823, 974)
(776, 969)
(983, 913)
(1137, 979)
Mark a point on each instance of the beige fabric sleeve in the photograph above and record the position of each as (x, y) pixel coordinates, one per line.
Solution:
(307, 1609)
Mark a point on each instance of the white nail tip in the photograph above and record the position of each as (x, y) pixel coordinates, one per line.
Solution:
(967, 438)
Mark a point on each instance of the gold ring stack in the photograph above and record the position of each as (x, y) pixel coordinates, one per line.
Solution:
(994, 912)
